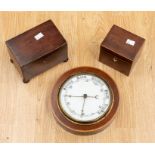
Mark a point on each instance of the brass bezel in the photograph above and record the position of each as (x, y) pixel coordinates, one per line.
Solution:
(85, 122)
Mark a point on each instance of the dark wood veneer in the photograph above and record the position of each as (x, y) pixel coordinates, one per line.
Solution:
(32, 57)
(116, 53)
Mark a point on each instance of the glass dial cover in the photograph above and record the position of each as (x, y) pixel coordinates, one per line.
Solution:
(85, 97)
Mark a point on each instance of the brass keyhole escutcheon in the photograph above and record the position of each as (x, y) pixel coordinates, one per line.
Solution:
(115, 59)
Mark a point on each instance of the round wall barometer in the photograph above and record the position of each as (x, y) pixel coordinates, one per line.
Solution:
(84, 100)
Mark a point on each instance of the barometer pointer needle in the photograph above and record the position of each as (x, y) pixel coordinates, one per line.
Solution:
(82, 96)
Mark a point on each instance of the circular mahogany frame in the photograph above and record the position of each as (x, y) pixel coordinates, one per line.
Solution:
(84, 128)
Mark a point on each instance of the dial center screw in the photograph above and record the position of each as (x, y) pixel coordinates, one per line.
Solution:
(85, 95)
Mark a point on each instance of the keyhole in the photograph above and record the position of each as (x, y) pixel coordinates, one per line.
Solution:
(115, 59)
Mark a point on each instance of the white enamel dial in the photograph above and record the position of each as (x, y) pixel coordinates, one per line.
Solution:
(85, 97)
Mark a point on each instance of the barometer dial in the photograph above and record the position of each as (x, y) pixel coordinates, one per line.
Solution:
(85, 97)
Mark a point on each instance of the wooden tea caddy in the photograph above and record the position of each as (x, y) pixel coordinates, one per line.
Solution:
(37, 50)
(120, 49)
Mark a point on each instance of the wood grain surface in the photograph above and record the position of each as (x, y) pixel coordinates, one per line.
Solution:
(25, 114)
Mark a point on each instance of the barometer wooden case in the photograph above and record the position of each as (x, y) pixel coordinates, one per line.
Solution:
(84, 100)
(37, 50)
(120, 49)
